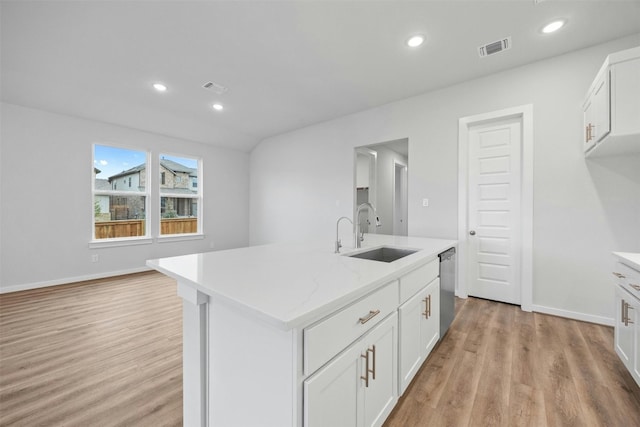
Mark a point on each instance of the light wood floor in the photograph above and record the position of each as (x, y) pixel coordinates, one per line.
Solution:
(500, 366)
(99, 353)
(108, 353)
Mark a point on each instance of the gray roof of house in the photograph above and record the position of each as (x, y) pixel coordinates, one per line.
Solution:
(102, 184)
(177, 167)
(169, 164)
(128, 171)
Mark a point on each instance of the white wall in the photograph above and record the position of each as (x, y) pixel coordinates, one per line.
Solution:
(583, 210)
(385, 179)
(46, 203)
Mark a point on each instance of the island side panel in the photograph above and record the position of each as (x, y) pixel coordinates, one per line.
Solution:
(194, 355)
(252, 370)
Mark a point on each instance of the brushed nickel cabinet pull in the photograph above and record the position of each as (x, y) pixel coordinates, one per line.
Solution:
(618, 275)
(586, 134)
(371, 315)
(365, 356)
(429, 306)
(426, 308)
(634, 286)
(373, 352)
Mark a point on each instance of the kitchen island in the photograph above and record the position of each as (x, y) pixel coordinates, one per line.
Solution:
(262, 323)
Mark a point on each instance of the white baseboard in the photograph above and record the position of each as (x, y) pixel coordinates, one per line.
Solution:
(600, 320)
(607, 321)
(64, 281)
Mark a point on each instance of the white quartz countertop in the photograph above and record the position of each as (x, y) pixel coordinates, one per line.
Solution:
(629, 258)
(292, 285)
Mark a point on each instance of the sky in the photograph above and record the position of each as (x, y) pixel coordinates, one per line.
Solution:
(113, 160)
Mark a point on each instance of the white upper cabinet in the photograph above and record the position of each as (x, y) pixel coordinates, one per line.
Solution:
(612, 107)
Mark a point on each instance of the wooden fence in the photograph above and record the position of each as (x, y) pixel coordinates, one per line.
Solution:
(136, 227)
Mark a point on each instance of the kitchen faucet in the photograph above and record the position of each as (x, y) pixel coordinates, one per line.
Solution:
(358, 235)
(338, 241)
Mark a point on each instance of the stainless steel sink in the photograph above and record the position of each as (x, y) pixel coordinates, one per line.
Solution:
(384, 254)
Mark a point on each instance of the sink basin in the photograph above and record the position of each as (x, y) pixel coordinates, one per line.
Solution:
(384, 254)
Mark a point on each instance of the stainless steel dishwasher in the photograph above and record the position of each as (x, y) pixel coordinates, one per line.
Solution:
(447, 289)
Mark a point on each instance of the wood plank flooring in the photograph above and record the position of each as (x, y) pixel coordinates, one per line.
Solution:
(500, 366)
(98, 353)
(108, 353)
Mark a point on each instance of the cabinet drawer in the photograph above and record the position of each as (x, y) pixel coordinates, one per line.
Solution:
(328, 337)
(628, 278)
(417, 279)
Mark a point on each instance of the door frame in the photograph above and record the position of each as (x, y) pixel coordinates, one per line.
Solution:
(397, 164)
(525, 114)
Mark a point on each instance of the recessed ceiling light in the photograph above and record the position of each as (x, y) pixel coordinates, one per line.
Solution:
(553, 26)
(218, 107)
(415, 41)
(159, 87)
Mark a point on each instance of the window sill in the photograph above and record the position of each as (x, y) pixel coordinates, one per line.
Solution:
(179, 237)
(111, 243)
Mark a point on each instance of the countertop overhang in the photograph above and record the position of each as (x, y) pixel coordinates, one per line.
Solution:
(629, 258)
(291, 285)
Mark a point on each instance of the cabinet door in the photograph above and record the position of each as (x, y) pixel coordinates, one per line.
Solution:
(410, 338)
(380, 395)
(624, 331)
(634, 316)
(588, 139)
(602, 103)
(430, 327)
(419, 331)
(625, 97)
(331, 395)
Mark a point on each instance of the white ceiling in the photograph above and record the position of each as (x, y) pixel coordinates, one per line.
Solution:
(286, 64)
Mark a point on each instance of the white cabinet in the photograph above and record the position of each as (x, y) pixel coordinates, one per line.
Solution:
(612, 107)
(357, 388)
(419, 319)
(597, 123)
(627, 321)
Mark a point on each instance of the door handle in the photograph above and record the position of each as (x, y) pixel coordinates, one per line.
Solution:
(472, 232)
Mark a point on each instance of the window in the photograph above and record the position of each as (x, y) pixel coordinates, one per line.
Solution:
(180, 202)
(117, 213)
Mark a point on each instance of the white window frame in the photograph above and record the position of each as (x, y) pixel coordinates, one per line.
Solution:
(198, 197)
(122, 241)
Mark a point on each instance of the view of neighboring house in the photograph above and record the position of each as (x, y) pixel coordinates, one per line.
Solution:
(101, 202)
(175, 179)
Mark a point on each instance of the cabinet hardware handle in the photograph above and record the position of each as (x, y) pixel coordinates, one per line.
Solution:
(619, 276)
(427, 311)
(371, 315)
(634, 286)
(373, 352)
(625, 313)
(365, 356)
(586, 134)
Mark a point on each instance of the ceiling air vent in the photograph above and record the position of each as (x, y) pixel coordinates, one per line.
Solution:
(217, 88)
(495, 47)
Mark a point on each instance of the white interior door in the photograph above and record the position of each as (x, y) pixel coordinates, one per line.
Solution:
(494, 210)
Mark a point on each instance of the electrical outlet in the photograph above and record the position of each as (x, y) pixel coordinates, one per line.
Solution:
(425, 202)
(95, 258)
